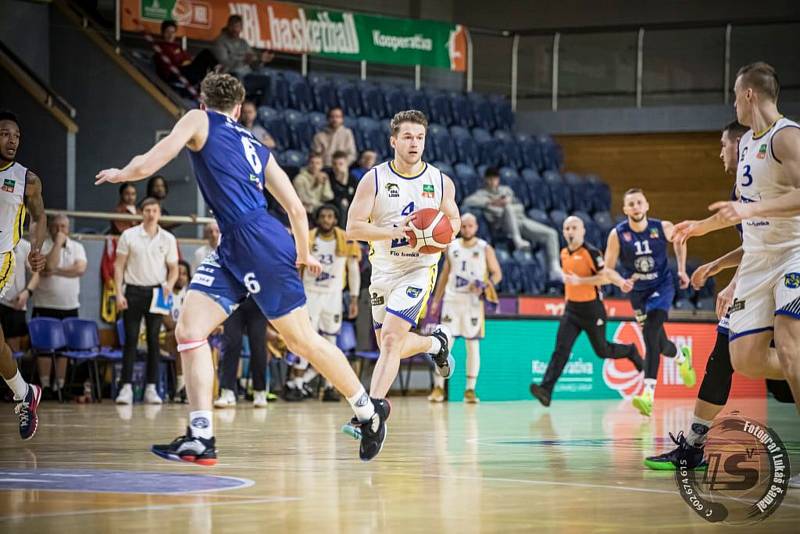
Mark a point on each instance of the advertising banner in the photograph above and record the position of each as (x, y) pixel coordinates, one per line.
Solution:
(515, 352)
(293, 29)
(555, 306)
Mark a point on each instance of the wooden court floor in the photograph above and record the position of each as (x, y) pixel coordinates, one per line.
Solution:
(495, 467)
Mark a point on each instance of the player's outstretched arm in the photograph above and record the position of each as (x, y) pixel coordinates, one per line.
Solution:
(358, 226)
(712, 268)
(449, 206)
(191, 130)
(688, 229)
(280, 186)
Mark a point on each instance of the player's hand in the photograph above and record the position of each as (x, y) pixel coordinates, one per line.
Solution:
(627, 285)
(730, 211)
(571, 279)
(37, 261)
(122, 303)
(352, 309)
(701, 275)
(21, 299)
(724, 299)
(682, 231)
(683, 280)
(403, 229)
(111, 176)
(311, 263)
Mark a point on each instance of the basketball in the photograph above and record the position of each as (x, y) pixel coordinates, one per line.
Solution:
(432, 231)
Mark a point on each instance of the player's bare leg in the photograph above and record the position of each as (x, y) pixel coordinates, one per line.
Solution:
(26, 395)
(787, 345)
(752, 357)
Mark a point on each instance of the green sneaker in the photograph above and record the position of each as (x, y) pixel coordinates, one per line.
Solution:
(686, 369)
(644, 403)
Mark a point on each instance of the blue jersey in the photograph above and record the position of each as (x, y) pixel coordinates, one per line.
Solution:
(230, 170)
(643, 255)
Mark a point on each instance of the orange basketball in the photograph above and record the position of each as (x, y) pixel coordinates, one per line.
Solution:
(432, 231)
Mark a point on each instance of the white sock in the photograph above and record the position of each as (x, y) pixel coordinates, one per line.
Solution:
(436, 345)
(60, 382)
(45, 382)
(650, 386)
(179, 383)
(362, 405)
(679, 358)
(309, 375)
(473, 362)
(698, 432)
(201, 424)
(438, 380)
(17, 385)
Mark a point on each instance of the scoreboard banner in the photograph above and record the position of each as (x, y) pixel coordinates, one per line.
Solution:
(517, 351)
(289, 28)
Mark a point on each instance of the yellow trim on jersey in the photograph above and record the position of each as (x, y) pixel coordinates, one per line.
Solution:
(6, 269)
(409, 176)
(8, 166)
(19, 220)
(764, 132)
(431, 284)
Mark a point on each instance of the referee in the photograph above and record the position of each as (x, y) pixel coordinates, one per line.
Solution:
(582, 265)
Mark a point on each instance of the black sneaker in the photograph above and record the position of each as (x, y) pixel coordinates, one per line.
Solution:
(330, 395)
(669, 461)
(26, 410)
(541, 393)
(374, 431)
(445, 364)
(188, 449)
(291, 394)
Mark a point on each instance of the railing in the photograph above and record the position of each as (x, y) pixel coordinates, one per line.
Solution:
(113, 216)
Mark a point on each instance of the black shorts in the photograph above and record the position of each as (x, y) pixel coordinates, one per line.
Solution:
(13, 321)
(55, 314)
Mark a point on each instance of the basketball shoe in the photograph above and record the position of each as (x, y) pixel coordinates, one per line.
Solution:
(445, 364)
(190, 449)
(669, 461)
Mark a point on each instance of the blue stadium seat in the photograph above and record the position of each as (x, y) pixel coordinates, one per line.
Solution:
(481, 134)
(513, 281)
(318, 120)
(502, 135)
(491, 152)
(324, 95)
(531, 154)
(530, 175)
(560, 194)
(259, 87)
(395, 101)
(557, 217)
(511, 154)
(445, 167)
(519, 187)
(539, 193)
(441, 111)
(349, 99)
(443, 144)
(276, 126)
(372, 102)
(292, 158)
(462, 110)
(386, 127)
(601, 194)
(419, 101)
(300, 130)
(533, 276)
(603, 220)
(300, 96)
(503, 116)
(538, 215)
(482, 114)
(507, 174)
(265, 113)
(458, 132)
(469, 179)
(467, 149)
(552, 157)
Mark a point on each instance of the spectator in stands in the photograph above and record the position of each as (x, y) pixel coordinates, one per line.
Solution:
(504, 212)
(366, 161)
(158, 189)
(233, 53)
(248, 120)
(147, 261)
(211, 235)
(173, 55)
(127, 204)
(14, 302)
(171, 321)
(313, 184)
(343, 185)
(59, 287)
(336, 137)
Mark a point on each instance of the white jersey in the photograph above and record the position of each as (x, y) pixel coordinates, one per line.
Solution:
(332, 277)
(467, 265)
(12, 205)
(760, 176)
(396, 197)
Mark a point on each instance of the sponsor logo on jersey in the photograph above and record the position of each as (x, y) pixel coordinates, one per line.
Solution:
(644, 264)
(413, 292)
(627, 236)
(475, 254)
(255, 180)
(461, 282)
(474, 321)
(428, 190)
(376, 300)
(653, 233)
(203, 280)
(337, 318)
(738, 305)
(792, 280)
(8, 185)
(392, 190)
(762, 152)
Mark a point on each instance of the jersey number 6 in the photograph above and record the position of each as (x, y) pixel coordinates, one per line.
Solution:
(251, 283)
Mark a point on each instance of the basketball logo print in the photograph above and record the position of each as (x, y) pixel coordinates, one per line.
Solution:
(621, 375)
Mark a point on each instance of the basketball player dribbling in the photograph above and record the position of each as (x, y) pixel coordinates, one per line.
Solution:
(21, 191)
(256, 256)
(766, 303)
(402, 278)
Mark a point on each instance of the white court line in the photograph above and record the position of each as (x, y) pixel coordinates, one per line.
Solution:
(158, 507)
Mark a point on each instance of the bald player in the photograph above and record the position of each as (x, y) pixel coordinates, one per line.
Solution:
(470, 273)
(583, 274)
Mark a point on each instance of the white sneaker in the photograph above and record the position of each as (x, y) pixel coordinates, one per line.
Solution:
(226, 399)
(151, 395)
(125, 395)
(259, 399)
(794, 482)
